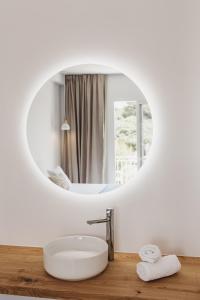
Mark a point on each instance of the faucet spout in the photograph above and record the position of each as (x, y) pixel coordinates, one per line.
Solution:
(109, 220)
(91, 222)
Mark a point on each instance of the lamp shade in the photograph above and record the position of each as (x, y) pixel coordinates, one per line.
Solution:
(65, 125)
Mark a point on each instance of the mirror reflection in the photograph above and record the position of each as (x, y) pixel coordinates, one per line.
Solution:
(89, 129)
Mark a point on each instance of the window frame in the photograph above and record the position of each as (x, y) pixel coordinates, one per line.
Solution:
(139, 132)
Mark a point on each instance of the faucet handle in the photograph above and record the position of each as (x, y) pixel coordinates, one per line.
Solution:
(109, 213)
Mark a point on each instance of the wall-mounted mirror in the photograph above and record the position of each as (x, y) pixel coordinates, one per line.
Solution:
(89, 129)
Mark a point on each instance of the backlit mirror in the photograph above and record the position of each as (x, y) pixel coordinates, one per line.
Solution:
(89, 129)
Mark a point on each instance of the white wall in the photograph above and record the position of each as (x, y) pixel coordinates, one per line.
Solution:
(156, 43)
(118, 88)
(43, 126)
(121, 88)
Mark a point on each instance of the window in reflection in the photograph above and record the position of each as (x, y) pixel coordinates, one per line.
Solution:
(133, 135)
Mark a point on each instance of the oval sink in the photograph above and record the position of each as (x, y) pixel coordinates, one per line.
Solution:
(75, 257)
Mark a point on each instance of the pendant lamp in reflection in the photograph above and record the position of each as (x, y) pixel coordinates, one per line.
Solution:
(65, 125)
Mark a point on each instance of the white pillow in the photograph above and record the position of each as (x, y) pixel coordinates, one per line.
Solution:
(59, 177)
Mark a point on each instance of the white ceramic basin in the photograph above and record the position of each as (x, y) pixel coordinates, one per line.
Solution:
(75, 257)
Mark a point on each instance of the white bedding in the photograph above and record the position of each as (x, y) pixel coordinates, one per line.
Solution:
(60, 178)
(91, 188)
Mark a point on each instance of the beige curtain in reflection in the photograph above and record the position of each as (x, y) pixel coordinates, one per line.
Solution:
(83, 145)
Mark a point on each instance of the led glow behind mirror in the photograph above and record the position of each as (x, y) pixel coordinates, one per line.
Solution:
(89, 129)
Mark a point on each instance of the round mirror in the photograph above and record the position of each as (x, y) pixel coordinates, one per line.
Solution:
(89, 129)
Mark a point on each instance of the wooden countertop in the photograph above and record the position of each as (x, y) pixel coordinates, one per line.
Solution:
(22, 273)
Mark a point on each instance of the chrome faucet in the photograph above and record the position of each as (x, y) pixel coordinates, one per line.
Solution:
(109, 220)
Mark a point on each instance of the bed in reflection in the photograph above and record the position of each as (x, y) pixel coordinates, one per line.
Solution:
(59, 177)
(92, 188)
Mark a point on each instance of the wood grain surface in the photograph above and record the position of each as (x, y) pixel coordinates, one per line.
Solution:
(22, 273)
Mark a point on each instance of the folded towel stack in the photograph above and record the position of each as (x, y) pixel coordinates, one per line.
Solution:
(150, 253)
(154, 266)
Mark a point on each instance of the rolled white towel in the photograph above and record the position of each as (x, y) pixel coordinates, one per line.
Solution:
(166, 266)
(150, 253)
